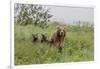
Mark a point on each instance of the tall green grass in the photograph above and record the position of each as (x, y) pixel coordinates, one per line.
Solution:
(78, 46)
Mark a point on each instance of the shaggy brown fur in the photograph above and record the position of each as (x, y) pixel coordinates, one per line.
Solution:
(57, 38)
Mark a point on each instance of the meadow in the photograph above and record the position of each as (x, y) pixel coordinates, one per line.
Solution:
(78, 46)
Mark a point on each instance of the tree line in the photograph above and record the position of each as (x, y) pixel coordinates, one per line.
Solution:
(35, 14)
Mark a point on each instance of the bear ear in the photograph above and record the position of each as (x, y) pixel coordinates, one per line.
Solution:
(65, 28)
(58, 27)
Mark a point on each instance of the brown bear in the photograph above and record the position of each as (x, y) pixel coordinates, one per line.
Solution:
(44, 38)
(34, 37)
(57, 38)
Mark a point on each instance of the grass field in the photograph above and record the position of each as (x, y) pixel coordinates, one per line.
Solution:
(78, 46)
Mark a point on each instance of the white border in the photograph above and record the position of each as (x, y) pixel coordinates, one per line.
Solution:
(12, 34)
(53, 3)
(38, 66)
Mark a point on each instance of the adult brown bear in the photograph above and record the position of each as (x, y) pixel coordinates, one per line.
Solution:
(57, 38)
